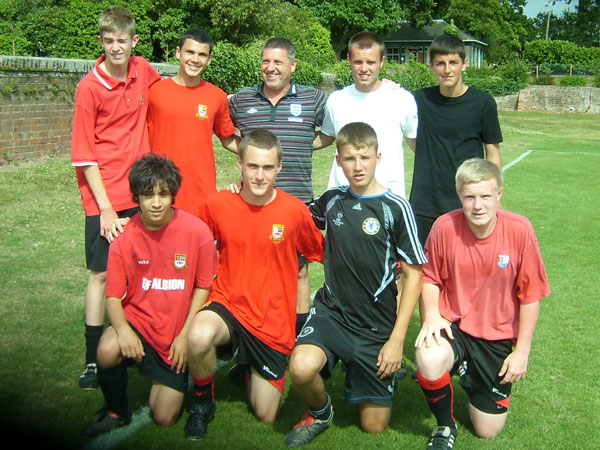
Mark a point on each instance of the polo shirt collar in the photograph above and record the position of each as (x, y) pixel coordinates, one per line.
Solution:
(109, 82)
(293, 91)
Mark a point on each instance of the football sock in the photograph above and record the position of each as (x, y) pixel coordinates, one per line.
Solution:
(204, 389)
(113, 382)
(440, 398)
(93, 333)
(322, 412)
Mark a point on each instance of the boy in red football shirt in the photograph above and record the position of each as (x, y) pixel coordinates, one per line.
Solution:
(109, 134)
(159, 275)
(252, 305)
(481, 294)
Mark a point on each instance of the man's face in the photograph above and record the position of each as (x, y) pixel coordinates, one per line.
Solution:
(259, 170)
(480, 202)
(365, 65)
(193, 57)
(448, 70)
(117, 47)
(276, 69)
(358, 165)
(156, 208)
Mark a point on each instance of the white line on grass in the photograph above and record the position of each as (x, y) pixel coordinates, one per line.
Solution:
(568, 153)
(515, 161)
(140, 418)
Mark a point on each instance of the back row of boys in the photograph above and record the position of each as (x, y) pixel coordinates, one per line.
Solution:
(254, 309)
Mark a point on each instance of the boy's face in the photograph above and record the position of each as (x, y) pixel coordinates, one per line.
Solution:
(193, 57)
(448, 70)
(156, 208)
(259, 170)
(117, 47)
(276, 69)
(365, 65)
(358, 165)
(480, 202)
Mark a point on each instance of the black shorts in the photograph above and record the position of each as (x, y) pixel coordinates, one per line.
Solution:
(153, 366)
(358, 353)
(268, 362)
(424, 224)
(477, 362)
(96, 246)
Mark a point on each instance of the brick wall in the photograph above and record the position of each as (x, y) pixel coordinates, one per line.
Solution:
(36, 105)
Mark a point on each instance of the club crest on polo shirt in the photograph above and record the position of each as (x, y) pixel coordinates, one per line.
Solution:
(277, 233)
(202, 112)
(295, 109)
(180, 262)
(371, 226)
(503, 261)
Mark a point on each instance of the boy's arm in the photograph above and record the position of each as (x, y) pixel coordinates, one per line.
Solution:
(110, 224)
(178, 349)
(322, 140)
(129, 342)
(515, 364)
(390, 355)
(492, 153)
(412, 143)
(231, 143)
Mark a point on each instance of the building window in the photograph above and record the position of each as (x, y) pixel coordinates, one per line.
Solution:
(393, 54)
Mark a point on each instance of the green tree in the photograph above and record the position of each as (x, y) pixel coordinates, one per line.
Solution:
(167, 30)
(344, 18)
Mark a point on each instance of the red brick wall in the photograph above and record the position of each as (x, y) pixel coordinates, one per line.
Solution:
(36, 111)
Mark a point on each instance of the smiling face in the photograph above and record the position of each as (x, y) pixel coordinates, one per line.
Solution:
(276, 70)
(480, 202)
(156, 207)
(358, 165)
(259, 170)
(448, 70)
(117, 47)
(194, 57)
(365, 64)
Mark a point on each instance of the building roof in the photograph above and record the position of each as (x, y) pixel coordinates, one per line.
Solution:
(409, 34)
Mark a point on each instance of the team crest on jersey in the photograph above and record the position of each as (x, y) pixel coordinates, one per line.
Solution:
(371, 226)
(202, 112)
(338, 220)
(277, 233)
(180, 262)
(295, 109)
(503, 261)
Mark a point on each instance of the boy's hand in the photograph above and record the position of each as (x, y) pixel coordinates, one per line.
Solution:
(118, 227)
(108, 217)
(130, 344)
(514, 368)
(431, 331)
(389, 359)
(235, 188)
(178, 354)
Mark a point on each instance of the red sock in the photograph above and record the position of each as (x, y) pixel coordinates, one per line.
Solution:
(204, 389)
(440, 398)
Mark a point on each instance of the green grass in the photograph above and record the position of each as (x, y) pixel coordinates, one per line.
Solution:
(43, 278)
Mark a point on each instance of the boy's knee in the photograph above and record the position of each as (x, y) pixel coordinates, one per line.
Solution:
(304, 365)
(433, 361)
(164, 418)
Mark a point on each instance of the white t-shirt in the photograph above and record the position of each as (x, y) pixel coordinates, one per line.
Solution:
(393, 115)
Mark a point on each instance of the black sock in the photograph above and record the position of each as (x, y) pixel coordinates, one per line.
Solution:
(322, 412)
(440, 398)
(113, 382)
(93, 333)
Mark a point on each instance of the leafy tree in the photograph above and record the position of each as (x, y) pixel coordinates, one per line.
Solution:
(168, 29)
(347, 17)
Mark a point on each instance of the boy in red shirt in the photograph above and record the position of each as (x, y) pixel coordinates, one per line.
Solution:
(159, 275)
(252, 305)
(109, 134)
(482, 287)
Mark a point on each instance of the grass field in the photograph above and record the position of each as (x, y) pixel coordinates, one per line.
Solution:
(554, 181)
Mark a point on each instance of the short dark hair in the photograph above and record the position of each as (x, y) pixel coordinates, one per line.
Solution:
(153, 170)
(263, 139)
(447, 44)
(282, 43)
(198, 35)
(366, 40)
(357, 134)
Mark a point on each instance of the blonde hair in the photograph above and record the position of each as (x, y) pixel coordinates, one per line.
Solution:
(116, 19)
(476, 170)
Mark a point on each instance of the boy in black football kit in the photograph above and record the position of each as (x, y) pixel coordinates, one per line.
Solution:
(356, 317)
